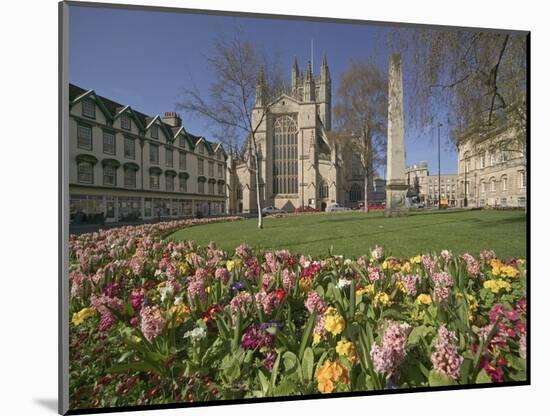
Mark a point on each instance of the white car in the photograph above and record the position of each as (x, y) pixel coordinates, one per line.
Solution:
(337, 208)
(272, 210)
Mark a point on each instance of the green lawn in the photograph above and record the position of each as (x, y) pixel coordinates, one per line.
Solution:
(352, 234)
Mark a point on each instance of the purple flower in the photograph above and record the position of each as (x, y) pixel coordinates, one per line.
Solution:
(152, 322)
(445, 359)
(388, 356)
(472, 265)
(256, 337)
(375, 273)
(222, 275)
(409, 281)
(442, 283)
(314, 303)
(289, 279)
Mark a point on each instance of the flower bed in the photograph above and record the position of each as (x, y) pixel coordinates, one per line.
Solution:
(154, 321)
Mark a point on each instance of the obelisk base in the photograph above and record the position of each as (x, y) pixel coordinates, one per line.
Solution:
(396, 199)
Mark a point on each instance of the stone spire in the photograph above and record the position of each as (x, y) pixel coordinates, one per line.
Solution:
(260, 89)
(295, 75)
(309, 85)
(396, 185)
(325, 73)
(325, 95)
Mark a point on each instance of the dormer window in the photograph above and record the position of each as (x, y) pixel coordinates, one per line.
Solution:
(125, 121)
(155, 132)
(201, 149)
(88, 108)
(182, 142)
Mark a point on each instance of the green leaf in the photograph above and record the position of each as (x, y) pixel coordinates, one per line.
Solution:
(307, 334)
(275, 371)
(437, 379)
(290, 361)
(231, 368)
(285, 388)
(483, 378)
(417, 333)
(307, 364)
(264, 382)
(237, 332)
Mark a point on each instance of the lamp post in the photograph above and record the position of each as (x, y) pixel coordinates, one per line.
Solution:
(439, 165)
(466, 161)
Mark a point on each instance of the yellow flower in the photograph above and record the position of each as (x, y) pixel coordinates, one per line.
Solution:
(473, 306)
(401, 286)
(416, 259)
(424, 299)
(406, 268)
(334, 323)
(418, 316)
(329, 374)
(367, 290)
(305, 284)
(316, 338)
(230, 265)
(82, 315)
(345, 348)
(179, 313)
(495, 285)
(184, 269)
(381, 298)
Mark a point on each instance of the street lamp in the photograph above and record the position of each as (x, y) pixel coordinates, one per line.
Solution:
(439, 125)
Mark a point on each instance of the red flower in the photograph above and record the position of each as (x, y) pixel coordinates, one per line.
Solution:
(281, 294)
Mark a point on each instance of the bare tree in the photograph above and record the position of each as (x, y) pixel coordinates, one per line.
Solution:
(240, 74)
(361, 116)
(480, 76)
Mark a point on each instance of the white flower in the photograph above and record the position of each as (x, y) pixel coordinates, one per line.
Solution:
(307, 263)
(165, 292)
(158, 272)
(178, 300)
(195, 334)
(343, 283)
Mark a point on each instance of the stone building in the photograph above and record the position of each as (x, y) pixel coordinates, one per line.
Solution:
(425, 186)
(492, 167)
(125, 165)
(300, 161)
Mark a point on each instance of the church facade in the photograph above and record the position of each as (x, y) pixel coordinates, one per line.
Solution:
(300, 163)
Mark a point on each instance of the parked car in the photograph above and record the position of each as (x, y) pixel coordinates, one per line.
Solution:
(337, 208)
(301, 210)
(272, 210)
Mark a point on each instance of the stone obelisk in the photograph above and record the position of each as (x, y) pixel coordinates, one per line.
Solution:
(396, 185)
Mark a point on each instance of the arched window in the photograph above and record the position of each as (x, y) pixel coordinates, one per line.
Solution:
(483, 186)
(493, 185)
(285, 155)
(355, 193)
(239, 192)
(323, 190)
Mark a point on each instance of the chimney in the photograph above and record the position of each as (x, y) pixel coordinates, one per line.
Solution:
(172, 119)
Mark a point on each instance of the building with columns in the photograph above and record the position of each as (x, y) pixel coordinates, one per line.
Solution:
(126, 166)
(425, 186)
(300, 161)
(492, 167)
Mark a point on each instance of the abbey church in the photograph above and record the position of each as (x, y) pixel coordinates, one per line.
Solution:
(300, 163)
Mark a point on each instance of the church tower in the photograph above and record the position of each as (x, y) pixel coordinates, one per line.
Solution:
(295, 78)
(260, 89)
(324, 99)
(309, 85)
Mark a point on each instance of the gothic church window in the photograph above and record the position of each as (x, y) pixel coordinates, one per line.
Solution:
(355, 193)
(285, 155)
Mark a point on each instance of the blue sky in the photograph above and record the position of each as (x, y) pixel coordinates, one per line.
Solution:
(145, 59)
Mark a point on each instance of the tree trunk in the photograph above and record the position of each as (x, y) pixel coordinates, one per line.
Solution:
(366, 191)
(257, 175)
